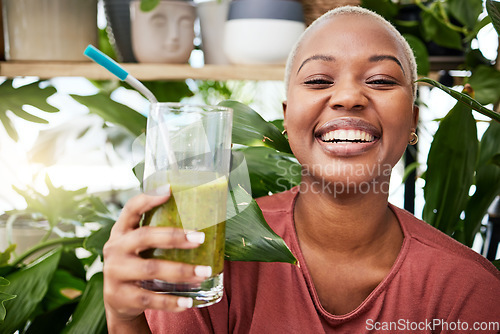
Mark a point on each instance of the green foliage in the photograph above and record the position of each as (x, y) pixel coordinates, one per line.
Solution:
(487, 181)
(465, 99)
(3, 298)
(386, 8)
(271, 171)
(58, 205)
(114, 112)
(68, 303)
(149, 5)
(89, 316)
(210, 91)
(493, 8)
(450, 169)
(486, 84)
(6, 254)
(420, 52)
(30, 285)
(167, 91)
(249, 238)
(13, 99)
(433, 29)
(250, 129)
(451, 160)
(466, 11)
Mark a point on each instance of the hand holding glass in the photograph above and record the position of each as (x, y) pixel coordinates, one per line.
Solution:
(189, 148)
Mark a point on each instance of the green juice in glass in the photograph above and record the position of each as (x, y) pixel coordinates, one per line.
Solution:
(197, 203)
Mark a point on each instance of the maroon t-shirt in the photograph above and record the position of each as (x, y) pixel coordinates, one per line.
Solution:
(436, 285)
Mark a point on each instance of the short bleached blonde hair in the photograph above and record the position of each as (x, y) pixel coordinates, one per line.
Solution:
(359, 11)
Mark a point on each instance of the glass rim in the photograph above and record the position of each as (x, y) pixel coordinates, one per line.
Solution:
(196, 107)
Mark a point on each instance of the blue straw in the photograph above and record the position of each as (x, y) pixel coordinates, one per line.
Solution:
(112, 66)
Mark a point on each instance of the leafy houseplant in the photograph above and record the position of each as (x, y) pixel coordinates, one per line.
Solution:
(56, 281)
(457, 160)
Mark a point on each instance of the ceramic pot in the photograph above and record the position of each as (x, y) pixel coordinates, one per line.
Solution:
(213, 17)
(262, 31)
(49, 29)
(118, 17)
(165, 34)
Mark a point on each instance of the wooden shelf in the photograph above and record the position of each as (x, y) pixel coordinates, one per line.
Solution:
(49, 69)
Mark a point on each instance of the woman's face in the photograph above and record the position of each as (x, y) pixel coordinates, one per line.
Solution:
(350, 110)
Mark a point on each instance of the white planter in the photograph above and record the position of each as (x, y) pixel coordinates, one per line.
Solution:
(260, 41)
(49, 29)
(213, 16)
(262, 31)
(165, 34)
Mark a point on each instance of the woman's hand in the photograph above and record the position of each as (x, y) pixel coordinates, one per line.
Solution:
(124, 299)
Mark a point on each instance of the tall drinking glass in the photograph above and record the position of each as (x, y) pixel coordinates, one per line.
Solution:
(189, 148)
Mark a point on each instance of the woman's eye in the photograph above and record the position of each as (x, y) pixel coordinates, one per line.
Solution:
(386, 82)
(318, 82)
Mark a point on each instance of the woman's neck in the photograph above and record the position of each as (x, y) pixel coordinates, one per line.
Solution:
(345, 223)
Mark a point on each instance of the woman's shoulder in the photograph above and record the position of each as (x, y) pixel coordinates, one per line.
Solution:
(282, 201)
(278, 212)
(429, 242)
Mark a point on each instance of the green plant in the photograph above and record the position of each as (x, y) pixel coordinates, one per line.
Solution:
(15, 99)
(53, 292)
(147, 5)
(457, 160)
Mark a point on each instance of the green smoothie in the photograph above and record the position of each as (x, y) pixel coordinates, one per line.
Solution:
(198, 202)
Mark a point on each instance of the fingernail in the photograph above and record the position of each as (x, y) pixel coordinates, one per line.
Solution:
(163, 190)
(184, 302)
(196, 237)
(203, 271)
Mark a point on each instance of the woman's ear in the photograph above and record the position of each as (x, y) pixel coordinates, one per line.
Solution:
(284, 113)
(416, 111)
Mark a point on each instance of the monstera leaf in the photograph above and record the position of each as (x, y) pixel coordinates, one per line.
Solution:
(13, 99)
(250, 129)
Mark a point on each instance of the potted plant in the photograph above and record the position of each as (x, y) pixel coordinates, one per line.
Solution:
(117, 14)
(164, 34)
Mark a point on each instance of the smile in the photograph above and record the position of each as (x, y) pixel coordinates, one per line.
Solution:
(347, 136)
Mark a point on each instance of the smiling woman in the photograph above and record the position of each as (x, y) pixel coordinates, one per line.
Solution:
(349, 115)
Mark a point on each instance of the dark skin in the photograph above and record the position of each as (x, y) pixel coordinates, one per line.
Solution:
(345, 257)
(349, 236)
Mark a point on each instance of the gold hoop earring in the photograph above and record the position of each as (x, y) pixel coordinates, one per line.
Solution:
(284, 133)
(413, 138)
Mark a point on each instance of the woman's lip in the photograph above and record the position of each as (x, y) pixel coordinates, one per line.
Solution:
(345, 148)
(348, 124)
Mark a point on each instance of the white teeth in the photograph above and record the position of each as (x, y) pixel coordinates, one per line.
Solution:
(347, 135)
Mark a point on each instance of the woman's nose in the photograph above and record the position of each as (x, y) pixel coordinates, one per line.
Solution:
(347, 95)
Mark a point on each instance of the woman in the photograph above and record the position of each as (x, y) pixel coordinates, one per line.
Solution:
(365, 265)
